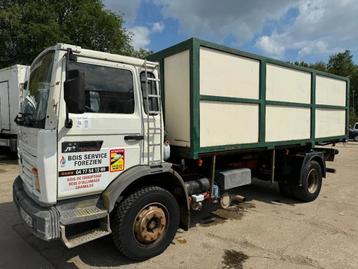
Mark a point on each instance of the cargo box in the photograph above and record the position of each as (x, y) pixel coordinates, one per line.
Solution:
(217, 99)
(11, 87)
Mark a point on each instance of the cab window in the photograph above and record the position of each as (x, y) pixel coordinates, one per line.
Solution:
(107, 89)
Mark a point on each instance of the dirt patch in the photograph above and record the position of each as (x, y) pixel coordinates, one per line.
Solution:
(221, 215)
(2, 171)
(279, 202)
(233, 259)
(180, 240)
(301, 260)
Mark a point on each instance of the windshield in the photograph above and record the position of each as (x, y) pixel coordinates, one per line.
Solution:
(34, 106)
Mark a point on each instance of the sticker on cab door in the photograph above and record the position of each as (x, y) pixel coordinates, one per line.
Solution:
(87, 166)
(117, 160)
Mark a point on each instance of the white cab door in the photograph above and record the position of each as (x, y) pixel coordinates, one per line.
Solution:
(107, 139)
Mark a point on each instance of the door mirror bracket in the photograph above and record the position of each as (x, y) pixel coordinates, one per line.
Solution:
(74, 90)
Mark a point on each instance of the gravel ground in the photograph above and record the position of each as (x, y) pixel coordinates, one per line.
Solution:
(267, 231)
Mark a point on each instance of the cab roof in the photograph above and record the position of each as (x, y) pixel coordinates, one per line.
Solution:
(77, 50)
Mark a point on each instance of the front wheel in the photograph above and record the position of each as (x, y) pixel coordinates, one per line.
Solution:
(311, 183)
(145, 223)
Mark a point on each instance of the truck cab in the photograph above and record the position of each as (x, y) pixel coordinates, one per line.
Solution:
(88, 119)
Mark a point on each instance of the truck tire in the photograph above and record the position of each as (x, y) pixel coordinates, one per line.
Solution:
(145, 223)
(311, 183)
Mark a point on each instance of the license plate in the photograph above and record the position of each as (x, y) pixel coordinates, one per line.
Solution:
(26, 217)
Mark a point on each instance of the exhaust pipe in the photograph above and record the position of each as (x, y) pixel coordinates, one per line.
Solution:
(238, 198)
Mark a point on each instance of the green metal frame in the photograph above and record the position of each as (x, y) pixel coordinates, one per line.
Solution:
(195, 151)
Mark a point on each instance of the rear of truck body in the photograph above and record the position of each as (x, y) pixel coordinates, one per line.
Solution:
(96, 159)
(12, 81)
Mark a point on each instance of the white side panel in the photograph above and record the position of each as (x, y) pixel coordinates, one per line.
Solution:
(330, 91)
(11, 82)
(177, 98)
(19, 76)
(330, 122)
(228, 75)
(4, 107)
(284, 84)
(287, 123)
(228, 123)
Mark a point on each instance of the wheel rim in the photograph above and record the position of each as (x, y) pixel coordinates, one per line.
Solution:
(225, 200)
(312, 183)
(151, 223)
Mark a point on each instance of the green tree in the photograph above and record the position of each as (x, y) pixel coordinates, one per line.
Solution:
(320, 66)
(29, 26)
(142, 53)
(301, 63)
(341, 64)
(354, 96)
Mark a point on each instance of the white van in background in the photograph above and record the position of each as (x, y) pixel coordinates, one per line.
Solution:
(12, 81)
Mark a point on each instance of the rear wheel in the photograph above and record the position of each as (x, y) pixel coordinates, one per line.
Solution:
(311, 183)
(145, 223)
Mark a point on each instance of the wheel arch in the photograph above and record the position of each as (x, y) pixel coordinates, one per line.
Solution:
(139, 176)
(313, 156)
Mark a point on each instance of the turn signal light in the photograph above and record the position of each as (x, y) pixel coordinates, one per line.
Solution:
(35, 178)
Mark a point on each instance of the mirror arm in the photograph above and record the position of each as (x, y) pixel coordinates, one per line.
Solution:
(68, 121)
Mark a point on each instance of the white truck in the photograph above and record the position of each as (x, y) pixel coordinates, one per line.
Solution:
(102, 150)
(12, 81)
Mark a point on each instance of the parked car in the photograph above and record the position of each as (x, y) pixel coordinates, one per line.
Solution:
(353, 132)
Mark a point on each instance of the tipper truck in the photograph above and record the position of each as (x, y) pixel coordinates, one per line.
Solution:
(129, 147)
(12, 80)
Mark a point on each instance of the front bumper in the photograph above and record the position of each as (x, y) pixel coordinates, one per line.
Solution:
(43, 222)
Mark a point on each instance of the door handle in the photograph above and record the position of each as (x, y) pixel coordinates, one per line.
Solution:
(134, 137)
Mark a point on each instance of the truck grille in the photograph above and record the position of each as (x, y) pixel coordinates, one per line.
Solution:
(27, 163)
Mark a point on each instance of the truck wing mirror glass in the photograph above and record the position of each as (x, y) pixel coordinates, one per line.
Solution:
(24, 86)
(74, 92)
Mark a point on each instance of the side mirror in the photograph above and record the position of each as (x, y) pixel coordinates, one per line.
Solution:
(74, 92)
(24, 87)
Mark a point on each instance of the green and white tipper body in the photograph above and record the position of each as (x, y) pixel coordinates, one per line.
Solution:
(232, 100)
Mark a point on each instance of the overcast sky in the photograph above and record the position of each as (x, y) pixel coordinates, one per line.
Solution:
(309, 30)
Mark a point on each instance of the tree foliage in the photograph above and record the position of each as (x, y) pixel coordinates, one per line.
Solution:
(142, 53)
(29, 26)
(341, 64)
